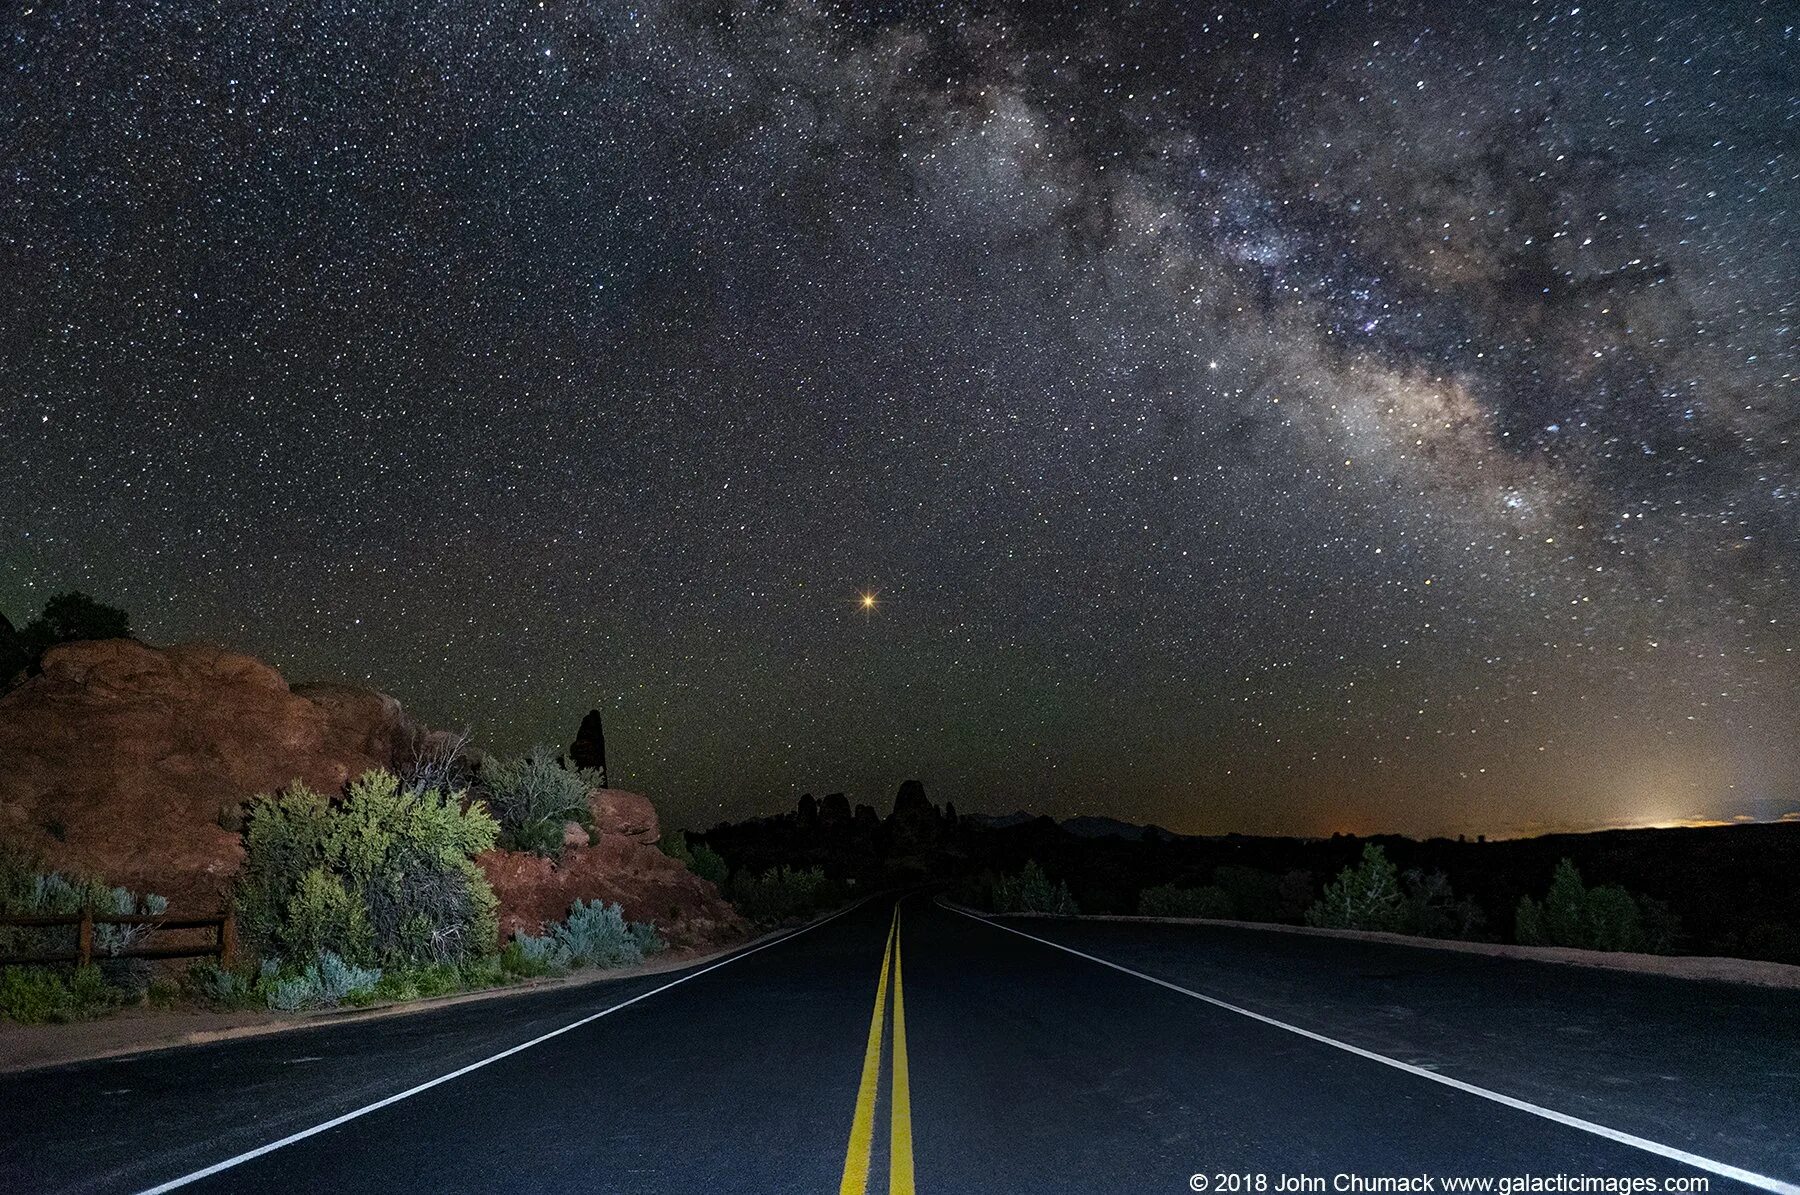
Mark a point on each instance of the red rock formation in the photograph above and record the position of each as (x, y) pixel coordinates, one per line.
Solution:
(619, 866)
(122, 760)
(128, 762)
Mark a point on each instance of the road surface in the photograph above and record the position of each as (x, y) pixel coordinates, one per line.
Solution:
(905, 1046)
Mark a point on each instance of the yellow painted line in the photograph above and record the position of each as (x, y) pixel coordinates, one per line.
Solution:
(862, 1126)
(900, 1158)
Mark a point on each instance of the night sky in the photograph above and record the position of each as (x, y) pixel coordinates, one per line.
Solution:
(1292, 417)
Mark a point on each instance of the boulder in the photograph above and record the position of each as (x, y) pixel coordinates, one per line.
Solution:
(123, 760)
(574, 834)
(616, 811)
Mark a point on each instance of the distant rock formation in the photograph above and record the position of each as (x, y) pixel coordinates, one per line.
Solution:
(128, 762)
(915, 820)
(834, 811)
(589, 748)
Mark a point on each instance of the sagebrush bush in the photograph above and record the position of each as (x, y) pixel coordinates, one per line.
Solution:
(534, 796)
(1032, 892)
(27, 889)
(1167, 900)
(780, 893)
(1366, 896)
(381, 878)
(1603, 918)
(596, 934)
(325, 982)
(528, 955)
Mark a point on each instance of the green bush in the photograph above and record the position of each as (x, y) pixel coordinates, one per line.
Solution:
(699, 858)
(534, 796)
(222, 988)
(781, 893)
(1366, 896)
(1429, 908)
(1603, 918)
(1032, 892)
(381, 878)
(34, 995)
(1166, 900)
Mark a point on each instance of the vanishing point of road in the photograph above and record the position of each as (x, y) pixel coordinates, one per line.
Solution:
(905, 1046)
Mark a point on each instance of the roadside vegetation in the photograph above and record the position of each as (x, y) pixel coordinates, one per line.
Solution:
(372, 898)
(769, 897)
(1603, 918)
(533, 797)
(698, 858)
(1031, 891)
(35, 994)
(1372, 894)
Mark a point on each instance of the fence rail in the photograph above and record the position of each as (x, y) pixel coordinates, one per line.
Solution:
(224, 925)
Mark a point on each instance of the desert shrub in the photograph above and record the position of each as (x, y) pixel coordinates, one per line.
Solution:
(698, 858)
(25, 889)
(648, 939)
(1603, 918)
(709, 865)
(383, 877)
(1255, 894)
(780, 892)
(484, 972)
(220, 987)
(533, 796)
(1032, 892)
(596, 934)
(437, 762)
(1366, 896)
(1429, 908)
(1166, 900)
(34, 995)
(326, 981)
(529, 956)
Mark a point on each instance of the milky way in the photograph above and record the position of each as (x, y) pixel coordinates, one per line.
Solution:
(1294, 417)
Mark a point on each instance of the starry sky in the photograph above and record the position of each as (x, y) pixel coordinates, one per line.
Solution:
(1288, 417)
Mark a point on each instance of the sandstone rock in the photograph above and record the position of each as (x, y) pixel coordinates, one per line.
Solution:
(122, 760)
(619, 812)
(535, 890)
(574, 834)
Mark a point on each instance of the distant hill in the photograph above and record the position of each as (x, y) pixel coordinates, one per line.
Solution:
(1086, 826)
(1000, 821)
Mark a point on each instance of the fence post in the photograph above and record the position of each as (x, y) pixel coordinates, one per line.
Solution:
(84, 938)
(228, 937)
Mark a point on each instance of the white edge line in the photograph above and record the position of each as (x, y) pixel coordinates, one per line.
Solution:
(335, 1121)
(1724, 1169)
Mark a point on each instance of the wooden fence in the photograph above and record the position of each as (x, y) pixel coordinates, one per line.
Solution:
(224, 925)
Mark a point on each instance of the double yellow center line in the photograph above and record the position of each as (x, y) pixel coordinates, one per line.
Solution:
(862, 1126)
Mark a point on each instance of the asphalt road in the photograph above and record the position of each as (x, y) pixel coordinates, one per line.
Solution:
(992, 1061)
